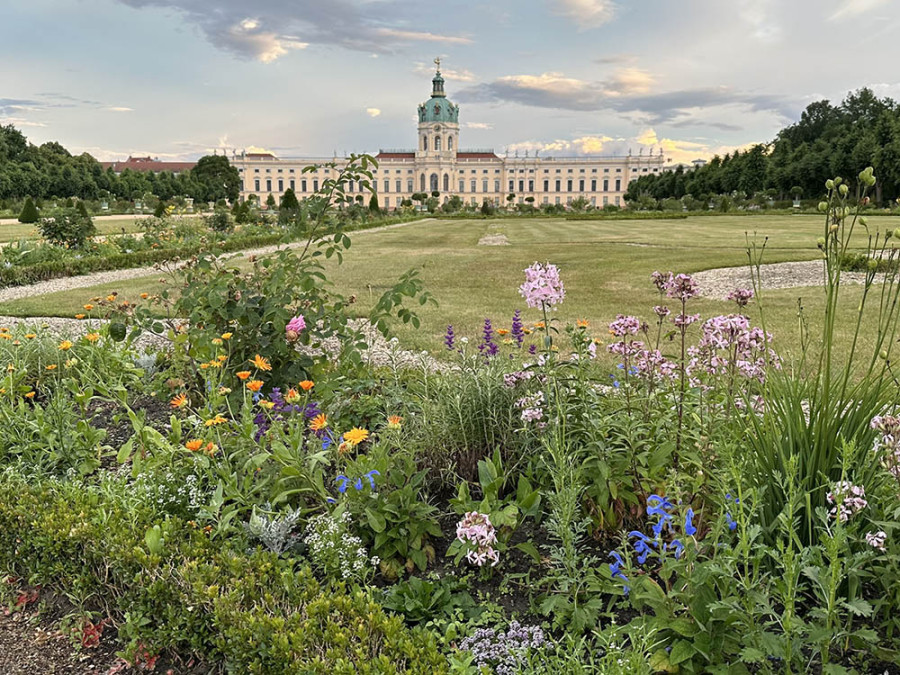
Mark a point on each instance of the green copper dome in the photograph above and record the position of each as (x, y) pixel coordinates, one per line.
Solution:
(438, 108)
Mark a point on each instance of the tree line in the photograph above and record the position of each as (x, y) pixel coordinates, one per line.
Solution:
(49, 170)
(828, 140)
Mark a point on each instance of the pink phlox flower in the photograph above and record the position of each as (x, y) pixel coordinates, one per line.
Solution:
(542, 288)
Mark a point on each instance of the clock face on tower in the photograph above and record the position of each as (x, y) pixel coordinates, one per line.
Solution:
(437, 127)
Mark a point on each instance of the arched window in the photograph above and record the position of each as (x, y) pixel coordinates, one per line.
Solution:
(449, 142)
(437, 143)
(434, 183)
(446, 183)
(425, 143)
(422, 183)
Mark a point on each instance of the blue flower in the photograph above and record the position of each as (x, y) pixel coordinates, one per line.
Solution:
(730, 522)
(643, 545)
(331, 500)
(658, 506)
(371, 478)
(326, 442)
(689, 528)
(342, 483)
(615, 569)
(678, 546)
(358, 484)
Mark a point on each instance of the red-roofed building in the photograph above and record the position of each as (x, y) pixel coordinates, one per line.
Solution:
(438, 165)
(144, 164)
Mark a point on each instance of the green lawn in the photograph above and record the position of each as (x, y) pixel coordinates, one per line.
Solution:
(605, 266)
(16, 231)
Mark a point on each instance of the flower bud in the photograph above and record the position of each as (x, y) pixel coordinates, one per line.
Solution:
(844, 190)
(863, 221)
(832, 229)
(883, 354)
(897, 233)
(820, 242)
(838, 180)
(872, 265)
(829, 184)
(823, 206)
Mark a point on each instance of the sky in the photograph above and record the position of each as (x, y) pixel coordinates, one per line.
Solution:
(177, 79)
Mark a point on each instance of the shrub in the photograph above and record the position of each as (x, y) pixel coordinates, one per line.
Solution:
(220, 221)
(68, 228)
(29, 212)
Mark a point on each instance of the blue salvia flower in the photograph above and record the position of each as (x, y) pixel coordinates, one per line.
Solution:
(342, 483)
(658, 506)
(615, 568)
(678, 546)
(326, 442)
(371, 476)
(643, 545)
(732, 525)
(358, 484)
(689, 528)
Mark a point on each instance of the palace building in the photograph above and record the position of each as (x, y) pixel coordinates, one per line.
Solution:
(438, 164)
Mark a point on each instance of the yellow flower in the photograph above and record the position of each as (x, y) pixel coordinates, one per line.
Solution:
(52, 366)
(92, 337)
(582, 323)
(502, 331)
(215, 364)
(394, 421)
(268, 405)
(65, 346)
(179, 401)
(89, 307)
(306, 385)
(261, 362)
(204, 366)
(194, 444)
(356, 436)
(111, 298)
(254, 385)
(30, 394)
(79, 316)
(10, 367)
(318, 422)
(6, 336)
(292, 396)
(30, 336)
(221, 358)
(227, 336)
(540, 324)
(4, 329)
(243, 375)
(218, 419)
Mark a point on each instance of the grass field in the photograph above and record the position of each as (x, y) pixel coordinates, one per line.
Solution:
(605, 266)
(16, 231)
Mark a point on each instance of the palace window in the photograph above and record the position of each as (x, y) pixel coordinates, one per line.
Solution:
(558, 182)
(484, 185)
(256, 185)
(462, 186)
(409, 185)
(593, 185)
(474, 185)
(606, 184)
(618, 201)
(303, 185)
(387, 185)
(512, 185)
(531, 186)
(425, 143)
(618, 185)
(446, 183)
(316, 185)
(521, 186)
(497, 185)
(281, 185)
(268, 184)
(449, 142)
(398, 185)
(437, 142)
(569, 185)
(292, 184)
(581, 185)
(546, 186)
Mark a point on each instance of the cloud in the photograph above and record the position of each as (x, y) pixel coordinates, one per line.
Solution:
(585, 145)
(628, 91)
(477, 125)
(373, 112)
(461, 75)
(120, 108)
(266, 30)
(586, 13)
(850, 9)
(19, 122)
(758, 14)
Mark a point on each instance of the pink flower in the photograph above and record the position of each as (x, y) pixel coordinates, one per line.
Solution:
(294, 327)
(542, 288)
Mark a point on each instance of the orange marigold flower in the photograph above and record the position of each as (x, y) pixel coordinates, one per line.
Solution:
(356, 436)
(292, 396)
(261, 362)
(540, 324)
(318, 422)
(502, 331)
(30, 336)
(30, 394)
(221, 358)
(89, 307)
(243, 375)
(6, 336)
(92, 337)
(204, 366)
(111, 298)
(52, 366)
(218, 419)
(65, 345)
(79, 316)
(394, 421)
(194, 444)
(582, 323)
(144, 296)
(179, 401)
(254, 385)
(306, 385)
(210, 450)
(227, 336)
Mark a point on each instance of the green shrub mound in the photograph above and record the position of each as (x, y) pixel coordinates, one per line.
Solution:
(29, 212)
(182, 592)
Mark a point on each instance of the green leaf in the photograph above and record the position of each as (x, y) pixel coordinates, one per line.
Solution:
(530, 550)
(682, 650)
(376, 520)
(154, 540)
(117, 331)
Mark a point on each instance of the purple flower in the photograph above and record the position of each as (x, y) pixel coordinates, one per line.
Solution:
(625, 325)
(450, 338)
(487, 332)
(681, 287)
(661, 281)
(741, 296)
(532, 349)
(518, 331)
(542, 288)
(294, 327)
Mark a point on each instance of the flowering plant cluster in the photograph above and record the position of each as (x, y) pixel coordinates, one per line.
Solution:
(335, 551)
(479, 536)
(848, 499)
(543, 289)
(503, 652)
(888, 446)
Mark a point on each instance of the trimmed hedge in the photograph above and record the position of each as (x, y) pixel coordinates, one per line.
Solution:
(250, 612)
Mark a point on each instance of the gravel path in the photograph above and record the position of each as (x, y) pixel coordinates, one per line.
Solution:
(718, 283)
(96, 278)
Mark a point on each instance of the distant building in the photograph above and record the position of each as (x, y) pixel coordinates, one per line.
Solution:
(145, 164)
(438, 164)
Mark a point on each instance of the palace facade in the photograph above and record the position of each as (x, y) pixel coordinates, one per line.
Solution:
(439, 165)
